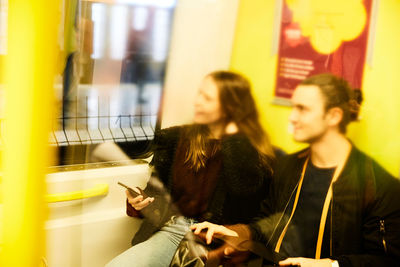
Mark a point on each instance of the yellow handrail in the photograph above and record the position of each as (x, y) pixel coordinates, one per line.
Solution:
(97, 190)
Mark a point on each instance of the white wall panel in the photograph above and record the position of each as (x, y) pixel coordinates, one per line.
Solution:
(92, 231)
(202, 37)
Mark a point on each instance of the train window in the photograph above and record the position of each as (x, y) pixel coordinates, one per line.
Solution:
(115, 59)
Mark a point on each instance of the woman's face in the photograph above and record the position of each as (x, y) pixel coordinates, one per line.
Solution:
(207, 104)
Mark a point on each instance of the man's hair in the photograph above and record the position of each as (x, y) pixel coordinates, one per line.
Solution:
(337, 93)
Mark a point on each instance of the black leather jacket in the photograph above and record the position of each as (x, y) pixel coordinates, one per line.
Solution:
(363, 224)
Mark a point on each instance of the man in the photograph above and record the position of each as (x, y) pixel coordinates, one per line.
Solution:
(330, 204)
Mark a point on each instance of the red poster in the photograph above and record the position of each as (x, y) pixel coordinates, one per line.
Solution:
(321, 36)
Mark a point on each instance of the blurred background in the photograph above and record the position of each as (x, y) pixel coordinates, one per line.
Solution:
(85, 83)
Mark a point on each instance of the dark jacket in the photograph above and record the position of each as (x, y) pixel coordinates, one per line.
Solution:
(242, 179)
(363, 224)
(240, 187)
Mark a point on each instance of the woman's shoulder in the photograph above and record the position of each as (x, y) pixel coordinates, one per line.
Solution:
(170, 132)
(239, 138)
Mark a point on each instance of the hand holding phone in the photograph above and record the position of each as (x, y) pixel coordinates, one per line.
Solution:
(138, 204)
(134, 192)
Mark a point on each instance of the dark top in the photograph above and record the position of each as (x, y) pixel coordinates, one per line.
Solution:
(302, 234)
(364, 218)
(241, 183)
(192, 189)
(234, 182)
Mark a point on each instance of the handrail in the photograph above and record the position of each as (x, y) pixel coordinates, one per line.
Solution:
(97, 190)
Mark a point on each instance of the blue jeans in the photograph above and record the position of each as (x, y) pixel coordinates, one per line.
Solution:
(159, 249)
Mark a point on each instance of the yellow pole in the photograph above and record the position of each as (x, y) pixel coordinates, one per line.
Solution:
(29, 87)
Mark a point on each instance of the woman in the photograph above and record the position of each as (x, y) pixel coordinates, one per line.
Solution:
(217, 169)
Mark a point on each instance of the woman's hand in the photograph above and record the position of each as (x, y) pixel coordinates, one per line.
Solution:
(231, 128)
(137, 202)
(212, 229)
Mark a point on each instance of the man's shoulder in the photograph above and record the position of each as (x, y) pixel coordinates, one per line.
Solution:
(291, 163)
(360, 159)
(372, 171)
(295, 157)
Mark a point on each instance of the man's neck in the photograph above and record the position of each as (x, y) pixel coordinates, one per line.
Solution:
(330, 150)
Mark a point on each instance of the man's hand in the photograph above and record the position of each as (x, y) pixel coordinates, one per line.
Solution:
(212, 229)
(306, 262)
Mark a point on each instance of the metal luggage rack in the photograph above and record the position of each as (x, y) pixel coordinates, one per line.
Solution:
(94, 129)
(86, 130)
(122, 132)
(126, 128)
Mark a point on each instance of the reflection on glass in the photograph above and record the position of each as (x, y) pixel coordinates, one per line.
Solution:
(99, 22)
(156, 3)
(160, 35)
(113, 82)
(140, 17)
(118, 31)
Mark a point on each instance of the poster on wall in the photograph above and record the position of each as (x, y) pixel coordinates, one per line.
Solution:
(318, 37)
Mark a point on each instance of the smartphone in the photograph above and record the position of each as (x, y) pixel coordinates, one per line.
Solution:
(133, 192)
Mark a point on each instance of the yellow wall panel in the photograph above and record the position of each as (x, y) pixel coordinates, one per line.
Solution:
(377, 133)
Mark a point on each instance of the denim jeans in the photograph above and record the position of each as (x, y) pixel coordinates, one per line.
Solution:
(159, 249)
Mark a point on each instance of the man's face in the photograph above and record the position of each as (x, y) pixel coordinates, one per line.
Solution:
(308, 115)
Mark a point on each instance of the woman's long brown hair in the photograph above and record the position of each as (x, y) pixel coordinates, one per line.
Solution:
(237, 106)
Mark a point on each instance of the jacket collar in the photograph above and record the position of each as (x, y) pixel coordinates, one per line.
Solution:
(354, 157)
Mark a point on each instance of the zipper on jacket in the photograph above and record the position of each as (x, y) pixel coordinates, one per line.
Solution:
(283, 214)
(382, 232)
